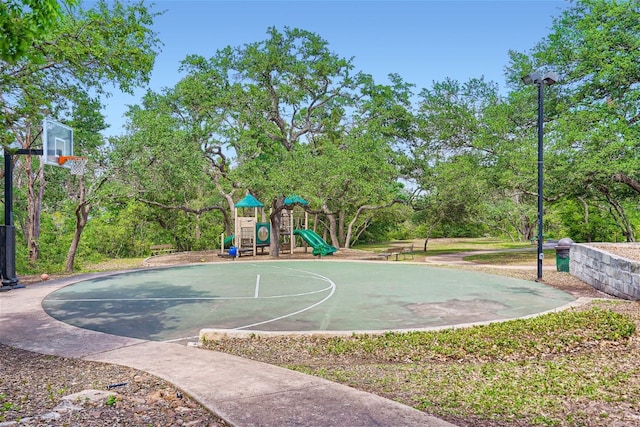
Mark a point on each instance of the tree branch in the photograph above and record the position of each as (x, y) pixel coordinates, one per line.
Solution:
(182, 208)
(625, 179)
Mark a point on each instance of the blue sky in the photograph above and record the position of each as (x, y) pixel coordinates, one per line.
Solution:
(423, 41)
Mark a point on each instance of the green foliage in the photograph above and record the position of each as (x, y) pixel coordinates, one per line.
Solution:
(197, 234)
(393, 223)
(74, 56)
(126, 231)
(56, 233)
(330, 139)
(25, 22)
(5, 405)
(111, 400)
(54, 394)
(585, 223)
(83, 52)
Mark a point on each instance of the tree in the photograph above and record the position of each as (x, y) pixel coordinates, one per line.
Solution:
(594, 45)
(276, 117)
(84, 51)
(451, 195)
(87, 122)
(276, 105)
(163, 162)
(467, 159)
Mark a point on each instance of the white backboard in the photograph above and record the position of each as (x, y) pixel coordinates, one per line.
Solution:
(57, 140)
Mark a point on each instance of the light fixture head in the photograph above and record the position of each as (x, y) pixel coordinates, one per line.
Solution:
(550, 78)
(536, 78)
(532, 78)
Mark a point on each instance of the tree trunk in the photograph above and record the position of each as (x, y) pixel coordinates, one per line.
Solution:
(344, 242)
(275, 220)
(332, 227)
(228, 220)
(430, 230)
(586, 218)
(426, 239)
(35, 191)
(82, 216)
(360, 210)
(619, 214)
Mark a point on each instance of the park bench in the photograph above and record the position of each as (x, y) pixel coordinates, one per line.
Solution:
(397, 251)
(162, 249)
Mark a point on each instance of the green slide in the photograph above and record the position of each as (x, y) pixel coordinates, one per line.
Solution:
(320, 247)
(228, 241)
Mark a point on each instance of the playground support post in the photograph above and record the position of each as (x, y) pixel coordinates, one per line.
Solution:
(8, 230)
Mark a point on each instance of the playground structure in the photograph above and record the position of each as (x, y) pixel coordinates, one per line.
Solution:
(251, 232)
(292, 226)
(254, 231)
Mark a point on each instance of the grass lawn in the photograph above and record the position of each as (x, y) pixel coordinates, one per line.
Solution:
(513, 258)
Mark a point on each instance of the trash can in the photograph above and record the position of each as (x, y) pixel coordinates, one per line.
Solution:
(233, 251)
(562, 254)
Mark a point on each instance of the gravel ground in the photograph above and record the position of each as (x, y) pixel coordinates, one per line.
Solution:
(39, 390)
(628, 251)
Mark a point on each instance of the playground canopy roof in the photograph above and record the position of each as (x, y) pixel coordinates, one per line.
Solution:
(293, 199)
(249, 202)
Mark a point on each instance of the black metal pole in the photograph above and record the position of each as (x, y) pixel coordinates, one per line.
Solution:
(8, 253)
(540, 174)
(8, 230)
(8, 188)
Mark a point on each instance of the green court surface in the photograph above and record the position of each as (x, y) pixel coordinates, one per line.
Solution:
(175, 303)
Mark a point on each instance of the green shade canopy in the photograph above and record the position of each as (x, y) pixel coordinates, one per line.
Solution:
(249, 202)
(293, 199)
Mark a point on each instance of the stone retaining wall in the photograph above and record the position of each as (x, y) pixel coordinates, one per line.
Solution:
(605, 271)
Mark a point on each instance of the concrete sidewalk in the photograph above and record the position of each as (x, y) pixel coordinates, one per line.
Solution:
(242, 392)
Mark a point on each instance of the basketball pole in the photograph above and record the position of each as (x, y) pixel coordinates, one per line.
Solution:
(8, 230)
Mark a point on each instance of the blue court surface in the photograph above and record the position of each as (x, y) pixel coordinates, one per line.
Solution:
(175, 303)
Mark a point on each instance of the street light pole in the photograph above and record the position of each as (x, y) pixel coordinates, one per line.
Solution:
(548, 79)
(540, 175)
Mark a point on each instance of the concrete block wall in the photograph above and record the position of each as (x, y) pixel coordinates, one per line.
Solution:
(605, 271)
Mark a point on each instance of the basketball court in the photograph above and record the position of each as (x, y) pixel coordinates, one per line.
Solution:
(173, 304)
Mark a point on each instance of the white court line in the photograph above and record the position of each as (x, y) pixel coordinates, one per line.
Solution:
(182, 339)
(187, 298)
(255, 295)
(332, 286)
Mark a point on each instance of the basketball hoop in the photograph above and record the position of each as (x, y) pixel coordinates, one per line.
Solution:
(76, 163)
